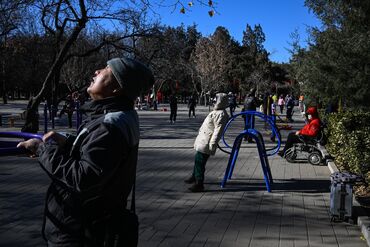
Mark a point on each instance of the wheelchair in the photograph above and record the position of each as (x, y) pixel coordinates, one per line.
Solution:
(308, 148)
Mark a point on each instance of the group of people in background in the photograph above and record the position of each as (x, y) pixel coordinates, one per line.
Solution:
(269, 104)
(192, 102)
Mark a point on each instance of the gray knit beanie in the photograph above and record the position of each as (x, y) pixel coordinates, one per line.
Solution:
(133, 76)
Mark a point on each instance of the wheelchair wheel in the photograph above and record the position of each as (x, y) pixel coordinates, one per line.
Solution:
(290, 155)
(314, 158)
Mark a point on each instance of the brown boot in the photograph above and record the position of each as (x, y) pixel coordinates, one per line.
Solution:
(190, 180)
(197, 187)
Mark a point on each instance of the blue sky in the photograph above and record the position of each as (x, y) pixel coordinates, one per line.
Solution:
(278, 18)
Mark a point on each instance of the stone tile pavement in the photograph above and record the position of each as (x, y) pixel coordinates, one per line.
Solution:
(241, 214)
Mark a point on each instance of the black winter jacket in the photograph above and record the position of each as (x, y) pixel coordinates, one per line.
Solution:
(250, 103)
(93, 174)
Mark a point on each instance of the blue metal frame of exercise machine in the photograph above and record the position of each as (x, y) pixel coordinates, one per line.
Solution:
(257, 137)
(10, 147)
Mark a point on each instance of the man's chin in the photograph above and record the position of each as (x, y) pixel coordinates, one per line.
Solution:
(89, 92)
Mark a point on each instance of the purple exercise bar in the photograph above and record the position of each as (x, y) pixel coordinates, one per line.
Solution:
(9, 147)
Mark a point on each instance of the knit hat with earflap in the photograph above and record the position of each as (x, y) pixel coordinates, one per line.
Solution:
(133, 76)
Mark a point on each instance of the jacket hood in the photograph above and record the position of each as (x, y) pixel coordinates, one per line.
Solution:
(222, 101)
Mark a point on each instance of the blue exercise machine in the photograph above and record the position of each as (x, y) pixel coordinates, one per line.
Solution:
(8, 147)
(251, 132)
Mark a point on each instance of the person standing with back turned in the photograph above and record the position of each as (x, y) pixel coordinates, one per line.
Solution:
(93, 173)
(173, 108)
(250, 104)
(191, 105)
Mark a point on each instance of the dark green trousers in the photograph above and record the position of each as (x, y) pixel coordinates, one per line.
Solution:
(200, 165)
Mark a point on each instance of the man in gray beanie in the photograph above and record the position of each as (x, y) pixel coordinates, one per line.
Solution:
(93, 173)
(131, 75)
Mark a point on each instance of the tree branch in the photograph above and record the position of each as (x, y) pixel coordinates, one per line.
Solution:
(44, 13)
(72, 9)
(57, 11)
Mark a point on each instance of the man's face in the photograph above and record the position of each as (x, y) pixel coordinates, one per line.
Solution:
(103, 85)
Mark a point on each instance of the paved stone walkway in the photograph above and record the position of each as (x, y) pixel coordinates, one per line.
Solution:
(241, 214)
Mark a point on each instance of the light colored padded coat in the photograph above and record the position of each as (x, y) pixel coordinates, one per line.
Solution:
(211, 130)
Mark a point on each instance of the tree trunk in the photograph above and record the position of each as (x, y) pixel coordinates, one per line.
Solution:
(31, 123)
(32, 116)
(55, 94)
(200, 98)
(5, 98)
(3, 85)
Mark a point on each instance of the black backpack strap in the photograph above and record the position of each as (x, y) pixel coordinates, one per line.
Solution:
(132, 208)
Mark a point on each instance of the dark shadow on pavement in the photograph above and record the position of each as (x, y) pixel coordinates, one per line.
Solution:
(291, 185)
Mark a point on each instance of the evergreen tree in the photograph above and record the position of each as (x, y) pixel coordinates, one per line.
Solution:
(336, 65)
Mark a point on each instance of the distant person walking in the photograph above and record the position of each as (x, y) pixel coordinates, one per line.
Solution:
(206, 142)
(250, 104)
(266, 104)
(173, 108)
(232, 103)
(289, 108)
(281, 103)
(301, 103)
(275, 99)
(191, 105)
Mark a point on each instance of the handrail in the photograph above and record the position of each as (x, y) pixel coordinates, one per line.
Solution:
(252, 133)
(268, 119)
(11, 146)
(24, 135)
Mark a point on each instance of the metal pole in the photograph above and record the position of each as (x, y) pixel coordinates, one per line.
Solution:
(45, 117)
(52, 116)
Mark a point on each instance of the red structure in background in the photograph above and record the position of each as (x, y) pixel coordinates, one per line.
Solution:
(159, 97)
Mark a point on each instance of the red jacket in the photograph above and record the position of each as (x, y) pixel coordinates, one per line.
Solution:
(313, 127)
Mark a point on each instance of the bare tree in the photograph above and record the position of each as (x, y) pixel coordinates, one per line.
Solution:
(11, 15)
(186, 6)
(212, 58)
(10, 19)
(66, 19)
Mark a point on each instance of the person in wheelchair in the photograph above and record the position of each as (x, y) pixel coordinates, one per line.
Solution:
(307, 134)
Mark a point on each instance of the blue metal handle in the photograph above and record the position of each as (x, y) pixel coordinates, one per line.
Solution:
(10, 147)
(268, 119)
